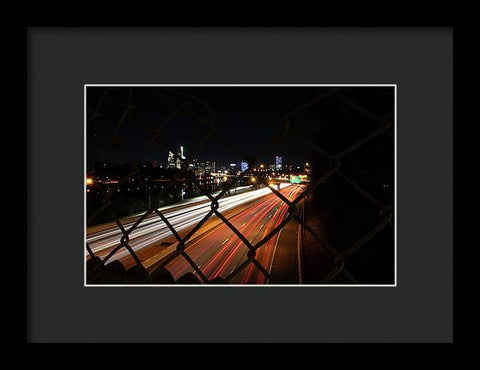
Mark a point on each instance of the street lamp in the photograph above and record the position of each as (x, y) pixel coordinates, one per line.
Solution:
(89, 181)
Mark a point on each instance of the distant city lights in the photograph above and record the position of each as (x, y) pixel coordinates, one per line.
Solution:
(243, 166)
(213, 173)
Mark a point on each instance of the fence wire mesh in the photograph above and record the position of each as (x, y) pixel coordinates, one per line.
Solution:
(106, 269)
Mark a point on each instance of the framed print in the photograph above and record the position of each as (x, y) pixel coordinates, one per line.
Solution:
(240, 185)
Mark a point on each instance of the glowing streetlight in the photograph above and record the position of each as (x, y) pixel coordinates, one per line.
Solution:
(261, 166)
(89, 181)
(253, 179)
(225, 178)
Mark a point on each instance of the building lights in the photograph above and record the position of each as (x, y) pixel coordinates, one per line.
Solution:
(278, 163)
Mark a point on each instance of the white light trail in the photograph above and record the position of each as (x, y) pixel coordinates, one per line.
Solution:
(154, 229)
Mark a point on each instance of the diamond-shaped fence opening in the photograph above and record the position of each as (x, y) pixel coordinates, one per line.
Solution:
(245, 254)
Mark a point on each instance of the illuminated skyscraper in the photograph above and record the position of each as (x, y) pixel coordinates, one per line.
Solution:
(243, 166)
(210, 166)
(278, 163)
(170, 160)
(173, 162)
(180, 158)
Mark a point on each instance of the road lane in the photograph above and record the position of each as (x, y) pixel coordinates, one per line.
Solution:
(211, 248)
(218, 253)
(153, 230)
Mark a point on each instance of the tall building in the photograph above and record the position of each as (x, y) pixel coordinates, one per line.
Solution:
(205, 167)
(233, 168)
(173, 162)
(243, 166)
(180, 158)
(278, 163)
(210, 166)
(170, 160)
(271, 167)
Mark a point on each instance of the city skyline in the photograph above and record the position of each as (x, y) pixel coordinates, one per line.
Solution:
(277, 162)
(238, 113)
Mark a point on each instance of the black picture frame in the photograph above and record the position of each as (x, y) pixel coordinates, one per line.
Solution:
(419, 61)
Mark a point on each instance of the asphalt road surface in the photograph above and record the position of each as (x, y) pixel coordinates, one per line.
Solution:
(220, 251)
(215, 248)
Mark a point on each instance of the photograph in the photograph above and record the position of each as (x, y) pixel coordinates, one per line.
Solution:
(240, 185)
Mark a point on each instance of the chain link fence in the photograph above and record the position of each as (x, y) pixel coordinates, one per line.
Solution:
(174, 102)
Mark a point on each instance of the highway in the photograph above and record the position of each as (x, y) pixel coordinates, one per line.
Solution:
(214, 247)
(219, 252)
(182, 217)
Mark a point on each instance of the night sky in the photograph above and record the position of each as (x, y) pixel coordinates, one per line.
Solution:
(246, 116)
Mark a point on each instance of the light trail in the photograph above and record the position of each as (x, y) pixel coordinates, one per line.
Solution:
(219, 252)
(153, 229)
